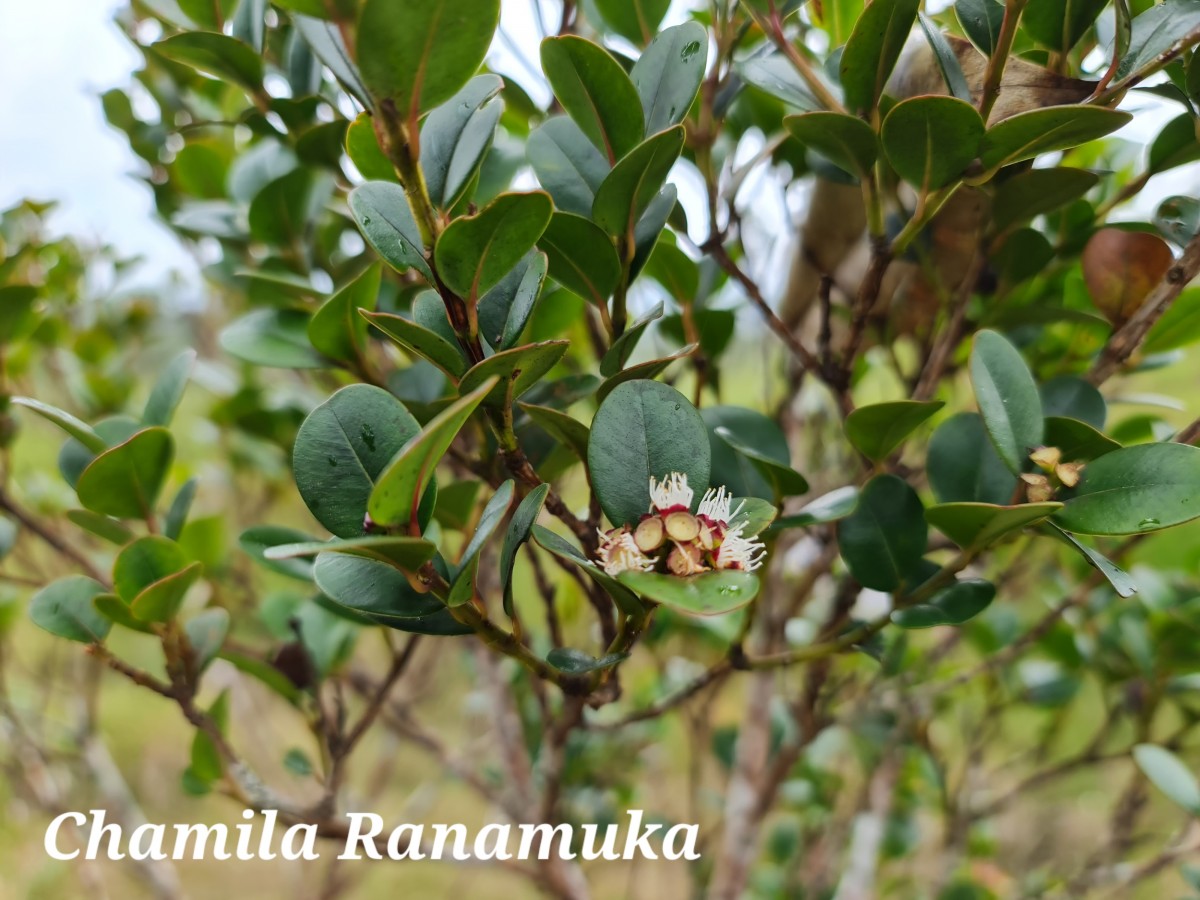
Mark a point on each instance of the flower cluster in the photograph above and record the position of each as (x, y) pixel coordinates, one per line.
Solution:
(1042, 486)
(670, 538)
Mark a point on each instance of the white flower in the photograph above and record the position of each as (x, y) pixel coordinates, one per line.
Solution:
(715, 505)
(618, 553)
(671, 493)
(737, 552)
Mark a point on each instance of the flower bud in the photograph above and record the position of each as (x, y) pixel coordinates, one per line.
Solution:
(1068, 473)
(684, 559)
(1046, 458)
(1037, 488)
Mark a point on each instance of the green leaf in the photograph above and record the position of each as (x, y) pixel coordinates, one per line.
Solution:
(644, 429)
(145, 561)
(1176, 145)
(475, 252)
(456, 136)
(405, 553)
(784, 480)
(622, 348)
(125, 481)
(168, 390)
(947, 61)
(710, 594)
(636, 20)
(385, 219)
(883, 540)
(878, 429)
(506, 308)
(956, 604)
(16, 305)
(1038, 131)
(1179, 325)
(1059, 24)
(336, 329)
(776, 76)
(64, 608)
(283, 211)
(872, 50)
(321, 9)
(177, 514)
(1008, 398)
(831, 507)
(752, 515)
(1154, 32)
(646, 370)
(117, 611)
(416, 54)
(343, 449)
(519, 528)
(489, 520)
(1120, 580)
(625, 599)
(222, 57)
(846, 141)
(394, 498)
(1077, 440)
(1071, 396)
(371, 587)
(513, 371)
(634, 183)
(751, 428)
(668, 74)
(1135, 489)
(581, 257)
(595, 91)
(1037, 191)
(981, 21)
(77, 429)
(567, 164)
(576, 662)
(963, 465)
(1169, 774)
(257, 539)
(362, 146)
(420, 341)
(930, 141)
(102, 526)
(274, 338)
(571, 433)
(160, 601)
(328, 45)
(976, 525)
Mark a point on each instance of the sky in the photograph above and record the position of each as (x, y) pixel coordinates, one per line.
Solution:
(58, 56)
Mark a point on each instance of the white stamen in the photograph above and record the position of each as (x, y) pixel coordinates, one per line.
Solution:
(672, 491)
(715, 504)
(619, 553)
(737, 552)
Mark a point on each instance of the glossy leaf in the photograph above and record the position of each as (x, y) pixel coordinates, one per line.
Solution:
(581, 257)
(168, 390)
(64, 608)
(1170, 775)
(931, 141)
(416, 54)
(370, 587)
(257, 539)
(831, 507)
(362, 146)
(784, 480)
(963, 465)
(421, 341)
(1038, 131)
(956, 604)
(274, 338)
(625, 599)
(161, 601)
(883, 540)
(519, 527)
(644, 429)
(1059, 24)
(636, 20)
(393, 500)
(668, 73)
(710, 594)
(649, 369)
(145, 561)
(567, 164)
(634, 182)
(976, 525)
(576, 662)
(1120, 580)
(76, 428)
(1008, 398)
(342, 451)
(475, 252)
(981, 21)
(381, 210)
(455, 137)
(1135, 489)
(1077, 440)
(125, 481)
(217, 55)
(513, 371)
(506, 308)
(846, 141)
(873, 49)
(878, 429)
(337, 329)
(595, 91)
(1030, 194)
(1071, 396)
(405, 553)
(622, 348)
(571, 433)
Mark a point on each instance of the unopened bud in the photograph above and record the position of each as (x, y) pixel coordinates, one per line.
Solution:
(684, 559)
(1068, 473)
(1037, 488)
(1046, 458)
